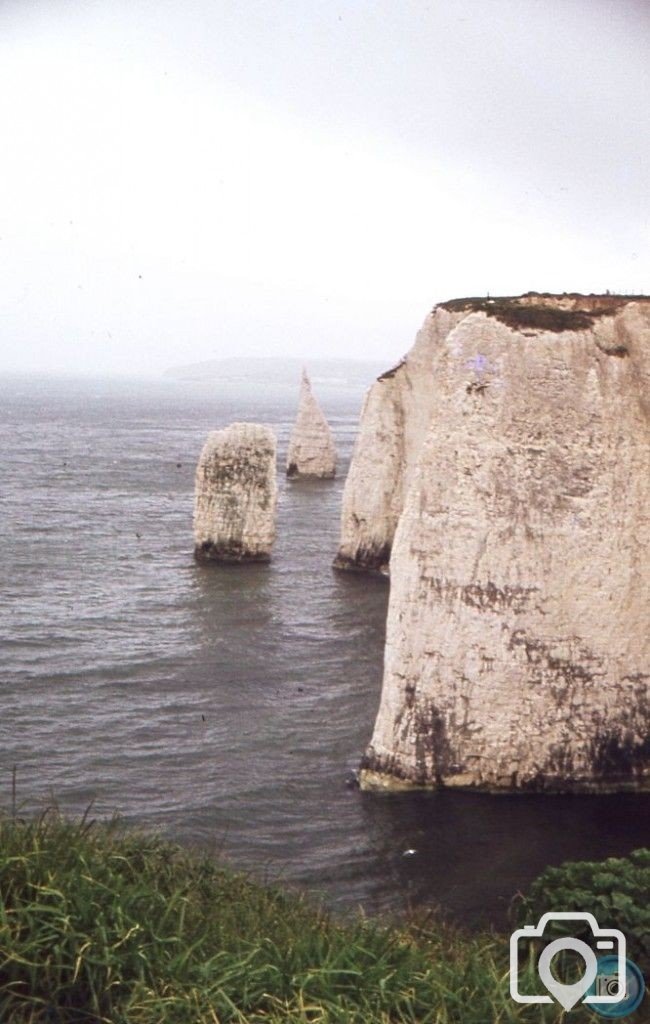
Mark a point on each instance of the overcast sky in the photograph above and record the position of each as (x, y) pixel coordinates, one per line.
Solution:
(189, 180)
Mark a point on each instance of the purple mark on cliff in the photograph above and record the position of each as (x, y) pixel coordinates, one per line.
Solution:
(480, 364)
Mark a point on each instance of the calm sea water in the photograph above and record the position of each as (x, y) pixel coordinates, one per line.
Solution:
(226, 707)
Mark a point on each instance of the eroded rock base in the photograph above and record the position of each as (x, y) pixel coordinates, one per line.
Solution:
(365, 560)
(227, 554)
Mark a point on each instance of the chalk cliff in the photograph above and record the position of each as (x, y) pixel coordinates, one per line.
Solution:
(236, 495)
(397, 410)
(518, 648)
(393, 424)
(312, 451)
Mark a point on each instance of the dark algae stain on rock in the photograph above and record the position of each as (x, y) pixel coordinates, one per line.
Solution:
(552, 667)
(484, 596)
(432, 748)
(366, 559)
(393, 370)
(619, 755)
(231, 552)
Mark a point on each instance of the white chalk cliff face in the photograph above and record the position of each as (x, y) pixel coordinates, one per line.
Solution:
(393, 425)
(312, 451)
(518, 649)
(236, 495)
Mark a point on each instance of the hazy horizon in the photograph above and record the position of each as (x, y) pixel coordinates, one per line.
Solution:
(284, 367)
(305, 180)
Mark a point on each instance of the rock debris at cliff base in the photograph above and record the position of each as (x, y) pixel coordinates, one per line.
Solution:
(236, 495)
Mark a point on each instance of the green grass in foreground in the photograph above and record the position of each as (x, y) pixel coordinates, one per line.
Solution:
(99, 924)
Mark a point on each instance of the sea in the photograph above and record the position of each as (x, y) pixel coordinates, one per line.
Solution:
(227, 708)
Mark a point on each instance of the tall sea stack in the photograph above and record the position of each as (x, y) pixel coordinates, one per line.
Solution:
(518, 648)
(393, 425)
(236, 495)
(312, 451)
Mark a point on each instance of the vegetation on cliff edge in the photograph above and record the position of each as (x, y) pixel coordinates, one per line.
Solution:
(98, 924)
(534, 312)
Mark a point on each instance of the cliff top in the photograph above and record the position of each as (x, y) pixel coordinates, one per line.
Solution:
(569, 311)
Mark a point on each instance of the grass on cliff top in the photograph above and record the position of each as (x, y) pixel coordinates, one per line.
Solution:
(539, 316)
(99, 924)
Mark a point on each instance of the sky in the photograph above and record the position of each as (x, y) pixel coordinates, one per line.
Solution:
(195, 180)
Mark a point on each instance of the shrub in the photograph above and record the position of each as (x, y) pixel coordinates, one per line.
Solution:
(616, 891)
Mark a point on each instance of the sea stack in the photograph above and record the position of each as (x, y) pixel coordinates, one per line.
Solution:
(312, 451)
(394, 421)
(236, 495)
(517, 650)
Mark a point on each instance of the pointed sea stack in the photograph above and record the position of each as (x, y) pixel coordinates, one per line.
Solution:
(236, 495)
(517, 644)
(312, 451)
